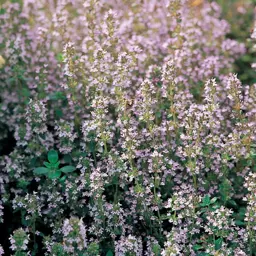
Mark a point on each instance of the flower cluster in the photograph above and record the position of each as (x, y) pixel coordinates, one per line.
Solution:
(129, 245)
(74, 235)
(19, 242)
(1, 250)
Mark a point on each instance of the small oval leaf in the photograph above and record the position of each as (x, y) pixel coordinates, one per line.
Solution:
(62, 180)
(53, 156)
(48, 165)
(56, 165)
(109, 253)
(218, 243)
(68, 168)
(41, 170)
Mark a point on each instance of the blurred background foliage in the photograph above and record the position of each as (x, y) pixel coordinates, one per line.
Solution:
(241, 15)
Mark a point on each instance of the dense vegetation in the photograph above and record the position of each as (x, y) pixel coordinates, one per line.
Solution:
(127, 128)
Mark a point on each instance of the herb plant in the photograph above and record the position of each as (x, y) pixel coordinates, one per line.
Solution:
(124, 130)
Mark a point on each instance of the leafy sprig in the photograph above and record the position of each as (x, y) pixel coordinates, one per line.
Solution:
(51, 168)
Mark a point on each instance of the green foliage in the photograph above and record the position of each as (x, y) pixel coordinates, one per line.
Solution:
(109, 253)
(218, 243)
(51, 169)
(67, 169)
(53, 156)
(92, 249)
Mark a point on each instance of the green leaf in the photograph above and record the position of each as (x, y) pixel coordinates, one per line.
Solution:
(232, 203)
(2, 11)
(54, 175)
(225, 189)
(213, 200)
(218, 243)
(62, 180)
(25, 92)
(33, 162)
(241, 213)
(56, 165)
(68, 168)
(53, 156)
(67, 158)
(92, 146)
(206, 201)
(23, 219)
(109, 253)
(240, 223)
(115, 180)
(60, 57)
(41, 170)
(57, 96)
(48, 165)
(22, 184)
(156, 249)
(58, 113)
(51, 165)
(197, 247)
